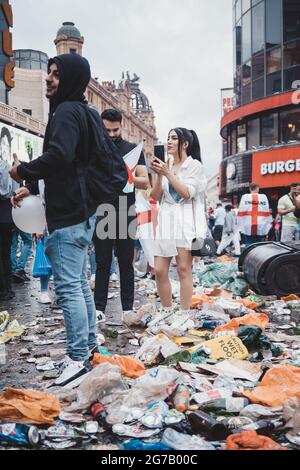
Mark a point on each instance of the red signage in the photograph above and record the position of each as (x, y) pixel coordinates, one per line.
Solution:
(276, 168)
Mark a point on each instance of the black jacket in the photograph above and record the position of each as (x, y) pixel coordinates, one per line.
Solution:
(63, 145)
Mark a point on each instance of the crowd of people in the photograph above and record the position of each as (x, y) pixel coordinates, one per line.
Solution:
(253, 221)
(89, 195)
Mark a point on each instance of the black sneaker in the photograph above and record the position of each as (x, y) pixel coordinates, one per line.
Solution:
(24, 276)
(16, 276)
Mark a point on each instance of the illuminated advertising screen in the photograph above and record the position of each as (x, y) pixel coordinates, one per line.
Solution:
(12, 140)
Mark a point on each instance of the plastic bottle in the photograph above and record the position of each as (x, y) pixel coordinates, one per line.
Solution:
(204, 424)
(231, 405)
(262, 427)
(99, 414)
(181, 398)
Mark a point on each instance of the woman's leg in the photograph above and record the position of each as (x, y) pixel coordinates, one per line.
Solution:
(162, 266)
(184, 268)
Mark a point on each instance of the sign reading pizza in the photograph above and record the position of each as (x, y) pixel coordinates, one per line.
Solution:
(276, 168)
(6, 64)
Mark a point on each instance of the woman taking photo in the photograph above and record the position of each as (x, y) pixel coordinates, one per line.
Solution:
(179, 186)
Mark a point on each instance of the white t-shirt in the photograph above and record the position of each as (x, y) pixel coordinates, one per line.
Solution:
(288, 220)
(220, 214)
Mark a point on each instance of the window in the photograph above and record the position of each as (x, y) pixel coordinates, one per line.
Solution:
(269, 129)
(35, 65)
(273, 23)
(274, 60)
(246, 94)
(27, 111)
(238, 45)
(274, 83)
(246, 36)
(35, 55)
(290, 76)
(238, 9)
(253, 131)
(25, 54)
(25, 64)
(291, 15)
(291, 54)
(258, 28)
(290, 125)
(246, 74)
(258, 89)
(246, 5)
(233, 141)
(73, 51)
(241, 138)
(258, 65)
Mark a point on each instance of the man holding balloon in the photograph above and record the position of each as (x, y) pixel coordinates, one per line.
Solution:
(69, 216)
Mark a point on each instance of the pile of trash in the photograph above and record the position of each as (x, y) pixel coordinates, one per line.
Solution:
(225, 376)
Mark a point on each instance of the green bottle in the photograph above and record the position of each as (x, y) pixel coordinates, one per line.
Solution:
(231, 405)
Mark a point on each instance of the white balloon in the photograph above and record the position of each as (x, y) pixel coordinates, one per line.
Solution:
(30, 217)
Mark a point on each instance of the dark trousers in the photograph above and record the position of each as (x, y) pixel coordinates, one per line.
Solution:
(5, 261)
(124, 252)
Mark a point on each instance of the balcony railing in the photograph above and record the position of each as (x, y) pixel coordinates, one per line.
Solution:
(16, 118)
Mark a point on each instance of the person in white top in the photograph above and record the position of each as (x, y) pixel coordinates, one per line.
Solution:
(254, 216)
(179, 186)
(287, 206)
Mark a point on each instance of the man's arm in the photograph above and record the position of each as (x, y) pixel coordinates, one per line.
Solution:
(65, 133)
(141, 180)
(282, 210)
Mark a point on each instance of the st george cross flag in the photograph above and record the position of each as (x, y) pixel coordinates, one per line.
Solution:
(254, 216)
(145, 227)
(131, 160)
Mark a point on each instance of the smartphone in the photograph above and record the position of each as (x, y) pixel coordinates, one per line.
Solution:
(159, 152)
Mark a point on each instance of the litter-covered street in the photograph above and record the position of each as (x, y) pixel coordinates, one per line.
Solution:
(225, 377)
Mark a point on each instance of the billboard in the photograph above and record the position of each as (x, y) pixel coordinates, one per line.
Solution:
(12, 140)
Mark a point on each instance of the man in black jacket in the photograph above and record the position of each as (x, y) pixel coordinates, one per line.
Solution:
(70, 216)
(123, 239)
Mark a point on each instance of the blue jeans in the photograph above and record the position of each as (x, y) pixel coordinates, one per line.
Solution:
(67, 249)
(18, 264)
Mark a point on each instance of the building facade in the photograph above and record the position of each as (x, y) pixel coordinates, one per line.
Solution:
(262, 133)
(28, 95)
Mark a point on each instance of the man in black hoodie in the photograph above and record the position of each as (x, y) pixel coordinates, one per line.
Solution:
(70, 216)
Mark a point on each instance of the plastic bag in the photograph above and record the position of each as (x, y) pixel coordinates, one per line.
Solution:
(250, 440)
(217, 274)
(42, 266)
(259, 319)
(252, 335)
(129, 367)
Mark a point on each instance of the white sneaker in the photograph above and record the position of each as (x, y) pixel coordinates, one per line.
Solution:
(163, 315)
(93, 277)
(44, 298)
(72, 370)
(110, 295)
(113, 277)
(101, 318)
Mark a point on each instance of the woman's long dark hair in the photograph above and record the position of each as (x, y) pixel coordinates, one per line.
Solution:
(190, 136)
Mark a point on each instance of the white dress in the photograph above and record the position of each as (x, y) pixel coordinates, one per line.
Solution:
(181, 220)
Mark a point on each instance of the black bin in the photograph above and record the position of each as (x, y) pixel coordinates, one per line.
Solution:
(272, 268)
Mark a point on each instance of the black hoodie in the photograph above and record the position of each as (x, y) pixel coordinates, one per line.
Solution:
(64, 142)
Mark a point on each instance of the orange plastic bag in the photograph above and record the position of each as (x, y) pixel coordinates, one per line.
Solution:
(277, 387)
(129, 367)
(28, 406)
(248, 303)
(290, 297)
(198, 300)
(250, 440)
(259, 319)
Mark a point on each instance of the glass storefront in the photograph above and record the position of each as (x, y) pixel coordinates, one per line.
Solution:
(269, 129)
(267, 42)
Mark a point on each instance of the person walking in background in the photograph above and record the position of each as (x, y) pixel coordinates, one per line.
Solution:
(254, 217)
(230, 233)
(21, 244)
(179, 186)
(287, 206)
(7, 188)
(219, 223)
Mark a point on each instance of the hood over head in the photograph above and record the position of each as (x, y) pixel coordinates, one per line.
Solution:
(74, 75)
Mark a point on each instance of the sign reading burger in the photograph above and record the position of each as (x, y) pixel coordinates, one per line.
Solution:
(6, 52)
(276, 168)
